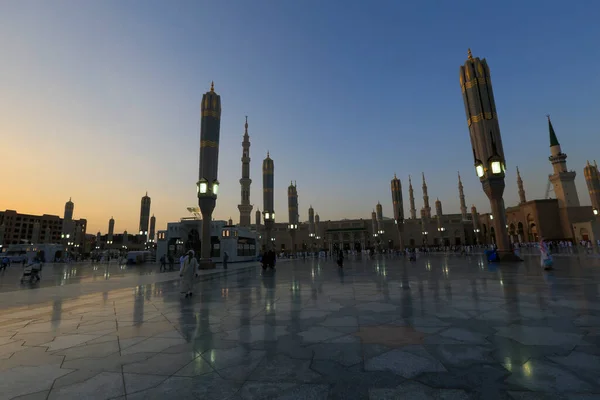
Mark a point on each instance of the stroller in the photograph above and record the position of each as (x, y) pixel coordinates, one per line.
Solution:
(32, 271)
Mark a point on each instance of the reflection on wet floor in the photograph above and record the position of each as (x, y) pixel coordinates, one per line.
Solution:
(440, 327)
(59, 274)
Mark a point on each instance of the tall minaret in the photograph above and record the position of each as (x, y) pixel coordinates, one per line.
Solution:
(268, 206)
(461, 196)
(311, 221)
(426, 207)
(562, 179)
(522, 198)
(245, 207)
(592, 179)
(152, 228)
(69, 207)
(111, 230)
(144, 215)
(411, 198)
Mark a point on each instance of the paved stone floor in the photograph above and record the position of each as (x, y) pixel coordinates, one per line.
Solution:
(439, 328)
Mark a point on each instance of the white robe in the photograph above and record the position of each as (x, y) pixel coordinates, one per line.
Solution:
(188, 272)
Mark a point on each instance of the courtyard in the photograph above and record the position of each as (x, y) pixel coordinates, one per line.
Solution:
(443, 327)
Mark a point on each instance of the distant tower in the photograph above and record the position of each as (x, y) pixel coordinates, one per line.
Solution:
(125, 238)
(230, 221)
(317, 223)
(461, 195)
(111, 230)
(293, 213)
(592, 179)
(311, 221)
(98, 240)
(257, 219)
(268, 187)
(152, 227)
(426, 208)
(411, 198)
(245, 207)
(145, 215)
(562, 179)
(522, 198)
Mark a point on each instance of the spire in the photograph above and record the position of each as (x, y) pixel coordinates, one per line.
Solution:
(212, 86)
(459, 181)
(423, 174)
(246, 126)
(469, 54)
(267, 153)
(553, 138)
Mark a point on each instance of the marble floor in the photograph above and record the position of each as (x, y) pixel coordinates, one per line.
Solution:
(443, 327)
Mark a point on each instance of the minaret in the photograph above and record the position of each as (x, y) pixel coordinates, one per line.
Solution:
(522, 198)
(592, 179)
(396, 187)
(98, 240)
(257, 219)
(461, 196)
(144, 216)
(230, 222)
(152, 228)
(486, 143)
(562, 179)
(245, 207)
(311, 221)
(411, 198)
(268, 206)
(111, 230)
(426, 207)
(293, 213)
(125, 238)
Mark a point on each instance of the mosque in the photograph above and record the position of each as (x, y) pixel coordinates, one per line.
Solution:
(561, 218)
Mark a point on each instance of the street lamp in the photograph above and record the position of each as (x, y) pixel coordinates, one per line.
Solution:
(441, 229)
(595, 211)
(207, 186)
(486, 144)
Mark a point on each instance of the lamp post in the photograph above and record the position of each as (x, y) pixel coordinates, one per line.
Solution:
(208, 185)
(268, 203)
(486, 143)
(398, 204)
(293, 215)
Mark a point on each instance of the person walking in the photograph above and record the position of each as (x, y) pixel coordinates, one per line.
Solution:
(163, 263)
(225, 259)
(545, 257)
(188, 273)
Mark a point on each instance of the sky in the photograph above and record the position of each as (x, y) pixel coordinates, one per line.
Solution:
(100, 101)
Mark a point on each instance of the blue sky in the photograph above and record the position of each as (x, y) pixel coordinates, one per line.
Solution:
(100, 100)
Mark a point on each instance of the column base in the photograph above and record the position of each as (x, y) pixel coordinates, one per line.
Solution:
(206, 263)
(508, 256)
